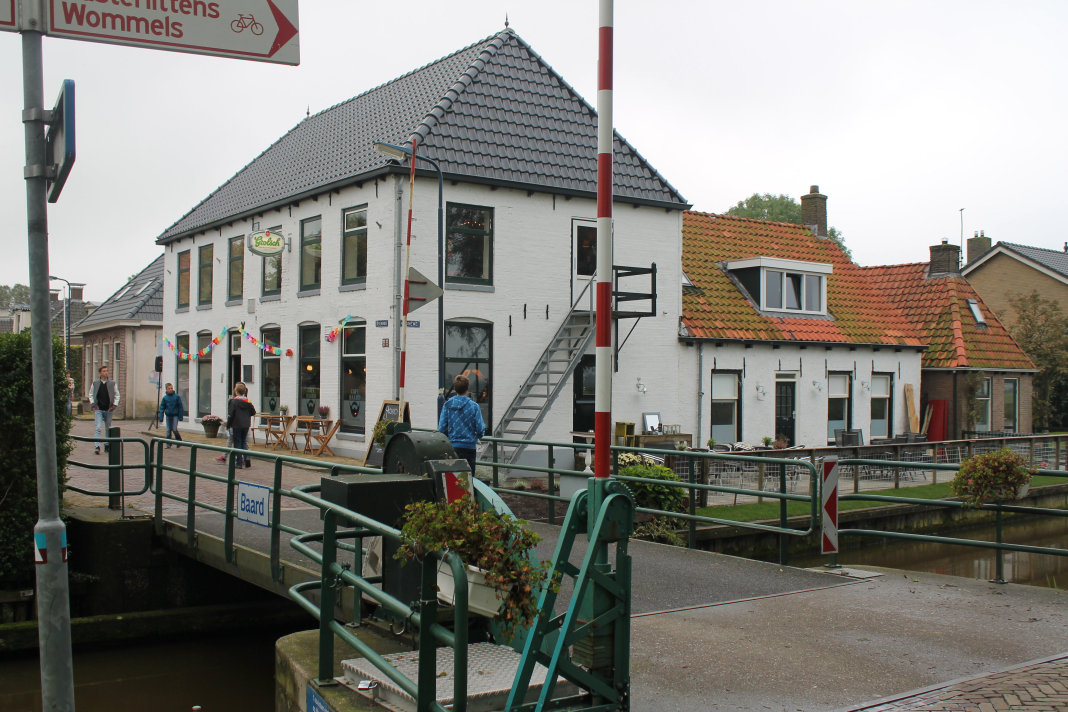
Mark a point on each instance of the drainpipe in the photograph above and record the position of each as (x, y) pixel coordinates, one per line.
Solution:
(956, 409)
(700, 389)
(398, 283)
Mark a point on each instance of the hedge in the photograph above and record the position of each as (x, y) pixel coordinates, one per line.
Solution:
(18, 476)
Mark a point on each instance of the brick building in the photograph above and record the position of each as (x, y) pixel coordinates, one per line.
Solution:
(971, 362)
(1007, 268)
(124, 334)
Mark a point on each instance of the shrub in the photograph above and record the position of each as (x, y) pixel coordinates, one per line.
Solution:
(651, 495)
(496, 543)
(378, 434)
(18, 476)
(991, 476)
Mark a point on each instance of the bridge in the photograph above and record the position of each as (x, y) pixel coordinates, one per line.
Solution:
(684, 604)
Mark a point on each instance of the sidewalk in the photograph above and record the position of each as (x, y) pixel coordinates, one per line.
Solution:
(1036, 685)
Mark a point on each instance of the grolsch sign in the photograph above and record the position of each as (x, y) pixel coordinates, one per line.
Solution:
(265, 243)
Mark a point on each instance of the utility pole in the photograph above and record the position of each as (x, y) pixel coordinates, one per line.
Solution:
(50, 534)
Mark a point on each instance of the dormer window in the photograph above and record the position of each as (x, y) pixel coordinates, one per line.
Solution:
(784, 285)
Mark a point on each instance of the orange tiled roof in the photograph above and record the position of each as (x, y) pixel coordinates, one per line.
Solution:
(717, 309)
(940, 308)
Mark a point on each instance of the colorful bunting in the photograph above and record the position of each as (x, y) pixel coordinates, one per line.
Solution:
(186, 356)
(273, 350)
(334, 332)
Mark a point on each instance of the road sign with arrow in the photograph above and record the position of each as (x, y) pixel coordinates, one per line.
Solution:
(421, 291)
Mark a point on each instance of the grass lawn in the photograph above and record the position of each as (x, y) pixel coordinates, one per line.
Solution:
(769, 509)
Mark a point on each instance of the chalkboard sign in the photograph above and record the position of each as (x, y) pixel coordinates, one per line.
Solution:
(389, 412)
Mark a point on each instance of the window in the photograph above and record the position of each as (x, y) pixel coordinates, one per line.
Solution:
(309, 370)
(837, 403)
(115, 354)
(107, 360)
(204, 273)
(469, 352)
(146, 285)
(204, 376)
(237, 269)
(977, 313)
(354, 247)
(272, 272)
(270, 368)
(469, 244)
(1012, 391)
(792, 291)
(181, 371)
(725, 418)
(982, 405)
(783, 285)
(880, 406)
(183, 279)
(311, 254)
(586, 250)
(354, 378)
(123, 291)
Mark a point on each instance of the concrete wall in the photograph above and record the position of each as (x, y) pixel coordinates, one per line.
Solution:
(1001, 276)
(758, 366)
(532, 268)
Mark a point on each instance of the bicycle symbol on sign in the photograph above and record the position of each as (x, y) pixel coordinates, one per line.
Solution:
(248, 21)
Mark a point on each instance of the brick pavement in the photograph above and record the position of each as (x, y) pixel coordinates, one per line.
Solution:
(209, 492)
(1036, 685)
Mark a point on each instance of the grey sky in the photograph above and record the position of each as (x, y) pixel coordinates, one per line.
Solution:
(901, 112)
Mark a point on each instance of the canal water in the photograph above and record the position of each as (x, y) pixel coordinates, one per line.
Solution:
(966, 561)
(233, 674)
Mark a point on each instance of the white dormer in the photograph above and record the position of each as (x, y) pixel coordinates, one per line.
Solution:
(779, 285)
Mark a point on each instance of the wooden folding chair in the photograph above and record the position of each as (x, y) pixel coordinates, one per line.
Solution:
(324, 439)
(290, 422)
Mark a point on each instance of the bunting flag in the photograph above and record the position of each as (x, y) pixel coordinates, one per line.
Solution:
(263, 346)
(187, 356)
(337, 329)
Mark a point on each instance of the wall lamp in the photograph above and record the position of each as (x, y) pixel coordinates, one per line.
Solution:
(817, 385)
(641, 386)
(760, 392)
(865, 385)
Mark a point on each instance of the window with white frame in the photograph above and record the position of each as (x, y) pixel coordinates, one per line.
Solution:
(784, 285)
(837, 403)
(880, 406)
(1012, 404)
(982, 405)
(725, 421)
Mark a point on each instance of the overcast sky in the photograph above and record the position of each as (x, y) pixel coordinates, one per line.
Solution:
(901, 112)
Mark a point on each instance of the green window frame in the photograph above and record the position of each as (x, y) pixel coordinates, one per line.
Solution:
(181, 370)
(469, 352)
(204, 375)
(468, 244)
(236, 273)
(205, 272)
(354, 245)
(311, 253)
(271, 272)
(308, 382)
(270, 373)
(183, 279)
(354, 377)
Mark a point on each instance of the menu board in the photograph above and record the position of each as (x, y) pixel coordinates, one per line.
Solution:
(388, 412)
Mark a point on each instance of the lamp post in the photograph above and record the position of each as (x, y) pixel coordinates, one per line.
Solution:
(66, 318)
(399, 154)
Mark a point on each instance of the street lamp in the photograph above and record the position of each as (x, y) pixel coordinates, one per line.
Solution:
(66, 317)
(399, 154)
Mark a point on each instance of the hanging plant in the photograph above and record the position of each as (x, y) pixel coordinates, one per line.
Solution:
(992, 476)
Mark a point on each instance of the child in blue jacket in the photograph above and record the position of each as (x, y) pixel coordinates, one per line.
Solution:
(461, 420)
(171, 408)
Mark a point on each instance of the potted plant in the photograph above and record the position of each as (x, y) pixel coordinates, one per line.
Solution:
(211, 424)
(767, 441)
(283, 409)
(378, 434)
(502, 581)
(324, 411)
(993, 476)
(655, 496)
(780, 442)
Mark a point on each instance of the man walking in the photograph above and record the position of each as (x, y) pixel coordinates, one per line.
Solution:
(104, 396)
(461, 420)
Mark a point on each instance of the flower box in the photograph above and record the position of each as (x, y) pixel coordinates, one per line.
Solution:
(481, 598)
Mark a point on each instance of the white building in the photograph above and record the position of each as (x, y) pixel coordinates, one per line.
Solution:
(517, 147)
(789, 338)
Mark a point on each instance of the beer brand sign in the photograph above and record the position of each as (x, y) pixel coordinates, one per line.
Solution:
(265, 243)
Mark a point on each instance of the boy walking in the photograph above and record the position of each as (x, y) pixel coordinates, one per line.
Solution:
(239, 420)
(172, 409)
(461, 420)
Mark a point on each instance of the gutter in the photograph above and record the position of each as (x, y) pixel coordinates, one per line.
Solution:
(850, 344)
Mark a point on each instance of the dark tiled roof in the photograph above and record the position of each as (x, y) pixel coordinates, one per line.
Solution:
(7, 326)
(1056, 260)
(492, 111)
(716, 308)
(140, 299)
(940, 308)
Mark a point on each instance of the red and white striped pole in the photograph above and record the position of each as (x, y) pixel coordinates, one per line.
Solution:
(603, 362)
(407, 262)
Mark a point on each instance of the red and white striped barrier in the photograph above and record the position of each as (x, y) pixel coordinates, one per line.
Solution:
(603, 354)
(829, 499)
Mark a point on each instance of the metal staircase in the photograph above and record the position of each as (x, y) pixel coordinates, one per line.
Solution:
(545, 383)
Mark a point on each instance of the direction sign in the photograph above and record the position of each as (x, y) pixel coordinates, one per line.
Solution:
(59, 141)
(7, 16)
(829, 497)
(421, 291)
(259, 30)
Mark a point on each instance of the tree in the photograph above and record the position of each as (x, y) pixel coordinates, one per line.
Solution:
(9, 296)
(780, 208)
(1041, 330)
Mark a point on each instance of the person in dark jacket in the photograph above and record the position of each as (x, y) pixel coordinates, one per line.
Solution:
(461, 420)
(172, 409)
(239, 420)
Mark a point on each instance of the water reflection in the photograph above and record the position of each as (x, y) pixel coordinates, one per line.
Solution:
(968, 562)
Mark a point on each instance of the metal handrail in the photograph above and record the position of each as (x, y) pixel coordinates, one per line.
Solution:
(146, 466)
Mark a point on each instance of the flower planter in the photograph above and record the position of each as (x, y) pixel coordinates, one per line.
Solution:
(481, 599)
(211, 430)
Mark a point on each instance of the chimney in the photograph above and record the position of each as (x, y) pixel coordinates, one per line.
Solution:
(53, 295)
(945, 260)
(76, 292)
(977, 245)
(814, 211)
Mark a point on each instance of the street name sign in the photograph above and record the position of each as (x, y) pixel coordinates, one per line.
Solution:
(254, 503)
(258, 30)
(59, 140)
